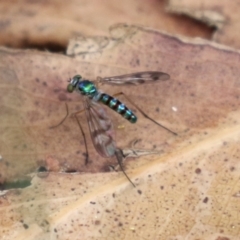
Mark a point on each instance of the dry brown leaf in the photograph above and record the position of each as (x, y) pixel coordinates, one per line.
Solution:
(224, 15)
(191, 191)
(51, 23)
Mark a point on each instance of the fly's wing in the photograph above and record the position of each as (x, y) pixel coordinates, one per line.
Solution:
(136, 78)
(101, 128)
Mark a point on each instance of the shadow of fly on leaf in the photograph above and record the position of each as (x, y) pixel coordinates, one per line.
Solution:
(100, 125)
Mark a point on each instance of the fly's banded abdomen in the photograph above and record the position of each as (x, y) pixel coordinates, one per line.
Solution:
(117, 106)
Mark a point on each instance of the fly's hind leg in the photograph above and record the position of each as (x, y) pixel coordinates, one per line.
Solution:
(143, 113)
(120, 157)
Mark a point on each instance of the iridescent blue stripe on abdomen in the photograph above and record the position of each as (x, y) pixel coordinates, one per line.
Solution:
(119, 107)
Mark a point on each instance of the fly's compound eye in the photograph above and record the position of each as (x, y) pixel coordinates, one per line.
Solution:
(73, 83)
(77, 78)
(70, 88)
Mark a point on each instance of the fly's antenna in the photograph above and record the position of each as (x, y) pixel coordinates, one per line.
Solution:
(69, 78)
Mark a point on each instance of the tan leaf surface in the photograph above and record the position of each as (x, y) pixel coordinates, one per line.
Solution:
(190, 191)
(53, 23)
(224, 15)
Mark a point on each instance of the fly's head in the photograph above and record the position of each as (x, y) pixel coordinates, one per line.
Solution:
(85, 87)
(73, 83)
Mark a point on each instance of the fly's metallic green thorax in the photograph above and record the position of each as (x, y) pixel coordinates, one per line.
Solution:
(85, 87)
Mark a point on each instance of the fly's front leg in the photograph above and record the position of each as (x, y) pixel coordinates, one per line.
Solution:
(62, 121)
(80, 126)
(142, 112)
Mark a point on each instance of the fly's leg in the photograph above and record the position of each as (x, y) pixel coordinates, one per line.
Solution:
(80, 126)
(142, 112)
(119, 155)
(63, 120)
(83, 134)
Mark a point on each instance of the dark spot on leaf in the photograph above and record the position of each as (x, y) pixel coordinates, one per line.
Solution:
(37, 80)
(139, 192)
(222, 238)
(205, 200)
(97, 222)
(62, 97)
(46, 221)
(93, 202)
(56, 90)
(44, 84)
(25, 226)
(198, 171)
